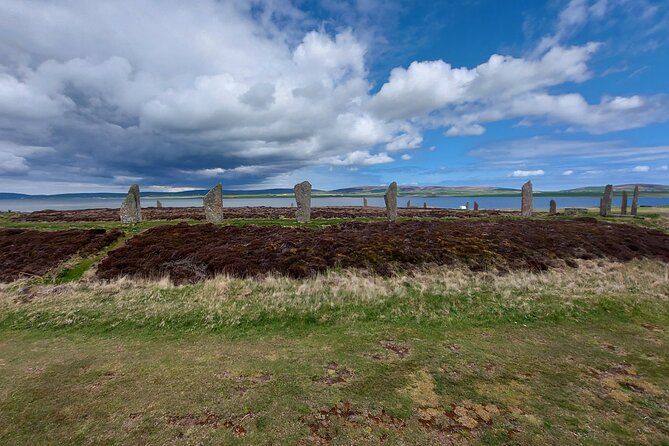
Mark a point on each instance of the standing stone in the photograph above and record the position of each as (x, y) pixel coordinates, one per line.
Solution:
(131, 211)
(424, 204)
(158, 204)
(303, 200)
(605, 208)
(623, 204)
(635, 200)
(526, 205)
(390, 197)
(364, 202)
(553, 208)
(467, 205)
(213, 204)
(476, 206)
(408, 204)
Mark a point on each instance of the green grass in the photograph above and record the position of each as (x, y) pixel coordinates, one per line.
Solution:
(573, 356)
(563, 357)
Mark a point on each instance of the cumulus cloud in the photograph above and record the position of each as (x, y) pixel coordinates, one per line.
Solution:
(641, 169)
(181, 94)
(568, 172)
(527, 173)
(406, 157)
(663, 168)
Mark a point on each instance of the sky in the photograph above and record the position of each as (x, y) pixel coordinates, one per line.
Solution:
(256, 94)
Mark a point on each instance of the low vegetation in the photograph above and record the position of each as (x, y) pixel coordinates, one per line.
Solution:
(437, 355)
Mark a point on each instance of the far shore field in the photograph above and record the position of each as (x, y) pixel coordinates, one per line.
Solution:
(447, 327)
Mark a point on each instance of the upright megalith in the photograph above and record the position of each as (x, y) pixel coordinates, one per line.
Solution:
(364, 202)
(213, 204)
(526, 205)
(623, 204)
(635, 201)
(424, 204)
(131, 210)
(408, 204)
(158, 204)
(605, 207)
(303, 200)
(390, 197)
(467, 205)
(552, 209)
(476, 205)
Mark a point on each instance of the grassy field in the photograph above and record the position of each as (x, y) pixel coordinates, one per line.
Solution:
(569, 356)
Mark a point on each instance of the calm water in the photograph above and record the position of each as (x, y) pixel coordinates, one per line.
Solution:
(540, 202)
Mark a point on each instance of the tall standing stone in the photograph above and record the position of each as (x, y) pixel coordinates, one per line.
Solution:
(476, 205)
(467, 205)
(424, 204)
(552, 210)
(390, 197)
(303, 200)
(408, 204)
(635, 200)
(605, 208)
(213, 204)
(623, 204)
(526, 205)
(131, 210)
(158, 204)
(364, 202)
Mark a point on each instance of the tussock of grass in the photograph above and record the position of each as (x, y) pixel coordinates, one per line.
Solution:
(430, 296)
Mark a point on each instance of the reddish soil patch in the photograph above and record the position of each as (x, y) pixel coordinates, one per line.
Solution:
(334, 374)
(212, 420)
(260, 212)
(321, 424)
(188, 253)
(25, 252)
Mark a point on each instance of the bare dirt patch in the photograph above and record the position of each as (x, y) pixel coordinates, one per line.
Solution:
(188, 253)
(335, 374)
(212, 420)
(258, 212)
(322, 423)
(29, 253)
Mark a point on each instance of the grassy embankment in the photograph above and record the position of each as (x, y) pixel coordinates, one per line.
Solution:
(563, 357)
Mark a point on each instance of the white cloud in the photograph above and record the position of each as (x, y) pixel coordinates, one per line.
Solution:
(663, 168)
(184, 92)
(641, 169)
(358, 158)
(406, 157)
(465, 130)
(526, 173)
(568, 172)
(404, 141)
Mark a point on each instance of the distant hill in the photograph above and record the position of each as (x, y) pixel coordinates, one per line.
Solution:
(648, 188)
(363, 190)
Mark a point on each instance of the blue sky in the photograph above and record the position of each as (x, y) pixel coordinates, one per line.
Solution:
(173, 95)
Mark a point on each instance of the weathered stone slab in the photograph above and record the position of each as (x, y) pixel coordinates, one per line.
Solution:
(131, 210)
(635, 201)
(607, 199)
(476, 205)
(623, 203)
(390, 197)
(526, 205)
(552, 210)
(364, 202)
(424, 205)
(213, 204)
(467, 205)
(575, 211)
(303, 200)
(408, 204)
(158, 204)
